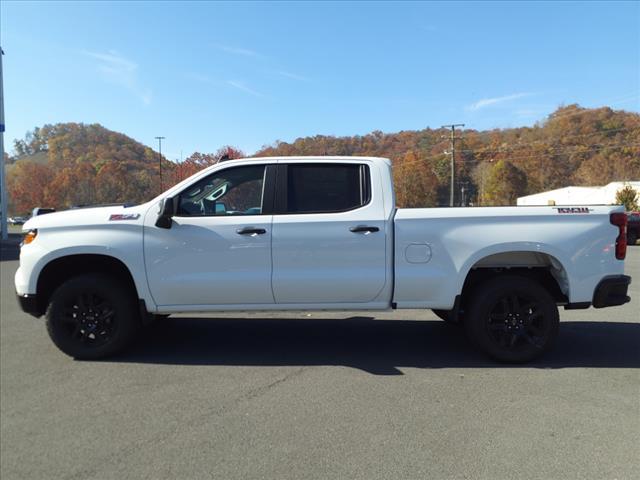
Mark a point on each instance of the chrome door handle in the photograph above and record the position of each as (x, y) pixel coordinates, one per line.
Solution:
(251, 231)
(364, 229)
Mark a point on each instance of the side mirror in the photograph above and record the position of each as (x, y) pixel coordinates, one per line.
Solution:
(168, 209)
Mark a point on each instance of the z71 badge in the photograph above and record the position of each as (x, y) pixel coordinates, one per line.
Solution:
(124, 216)
(573, 209)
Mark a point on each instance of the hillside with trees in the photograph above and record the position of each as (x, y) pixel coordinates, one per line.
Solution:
(78, 164)
(74, 164)
(83, 164)
(573, 146)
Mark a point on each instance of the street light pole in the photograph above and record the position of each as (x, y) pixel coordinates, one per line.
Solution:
(160, 159)
(3, 183)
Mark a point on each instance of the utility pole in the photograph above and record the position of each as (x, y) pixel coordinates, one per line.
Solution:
(3, 183)
(160, 159)
(453, 157)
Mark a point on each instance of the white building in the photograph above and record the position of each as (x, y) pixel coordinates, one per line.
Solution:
(579, 195)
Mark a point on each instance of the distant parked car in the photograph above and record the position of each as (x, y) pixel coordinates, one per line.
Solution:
(41, 211)
(633, 227)
(17, 220)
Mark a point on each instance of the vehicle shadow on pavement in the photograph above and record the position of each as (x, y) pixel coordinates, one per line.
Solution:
(379, 347)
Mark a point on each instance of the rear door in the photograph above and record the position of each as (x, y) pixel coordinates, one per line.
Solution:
(328, 234)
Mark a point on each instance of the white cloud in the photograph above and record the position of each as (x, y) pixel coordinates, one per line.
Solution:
(241, 86)
(293, 76)
(121, 71)
(236, 50)
(487, 102)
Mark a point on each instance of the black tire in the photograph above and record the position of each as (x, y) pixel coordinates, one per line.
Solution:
(92, 316)
(512, 319)
(632, 238)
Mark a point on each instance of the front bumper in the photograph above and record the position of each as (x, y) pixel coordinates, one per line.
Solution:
(29, 304)
(612, 291)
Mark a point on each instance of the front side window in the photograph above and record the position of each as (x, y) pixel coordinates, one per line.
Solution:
(234, 191)
(326, 188)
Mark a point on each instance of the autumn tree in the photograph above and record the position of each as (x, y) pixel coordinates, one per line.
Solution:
(115, 185)
(628, 197)
(29, 186)
(572, 146)
(505, 183)
(74, 185)
(197, 161)
(480, 176)
(415, 183)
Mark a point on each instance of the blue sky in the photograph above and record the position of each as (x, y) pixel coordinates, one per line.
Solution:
(208, 74)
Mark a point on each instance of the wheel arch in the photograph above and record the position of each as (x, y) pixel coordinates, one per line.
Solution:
(61, 269)
(539, 265)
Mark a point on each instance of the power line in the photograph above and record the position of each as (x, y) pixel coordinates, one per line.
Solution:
(560, 150)
(592, 134)
(542, 142)
(507, 149)
(540, 154)
(537, 142)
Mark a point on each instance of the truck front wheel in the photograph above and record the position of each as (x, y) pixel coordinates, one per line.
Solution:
(512, 319)
(92, 316)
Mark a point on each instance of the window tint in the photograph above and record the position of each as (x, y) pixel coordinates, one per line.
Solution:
(234, 191)
(318, 188)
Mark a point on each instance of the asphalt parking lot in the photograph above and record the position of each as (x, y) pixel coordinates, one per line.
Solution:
(398, 395)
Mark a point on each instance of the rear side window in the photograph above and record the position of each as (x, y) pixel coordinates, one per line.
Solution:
(326, 188)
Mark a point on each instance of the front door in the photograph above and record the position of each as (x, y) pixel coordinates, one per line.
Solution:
(218, 249)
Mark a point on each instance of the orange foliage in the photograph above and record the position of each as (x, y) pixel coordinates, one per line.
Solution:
(574, 146)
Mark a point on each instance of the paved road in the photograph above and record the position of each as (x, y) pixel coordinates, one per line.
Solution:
(396, 395)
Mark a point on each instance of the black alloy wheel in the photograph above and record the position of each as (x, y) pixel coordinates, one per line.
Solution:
(516, 321)
(90, 319)
(512, 319)
(92, 316)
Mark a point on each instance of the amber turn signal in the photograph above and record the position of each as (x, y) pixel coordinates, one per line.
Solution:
(30, 237)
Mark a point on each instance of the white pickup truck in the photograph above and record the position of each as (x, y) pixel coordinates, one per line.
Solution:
(319, 233)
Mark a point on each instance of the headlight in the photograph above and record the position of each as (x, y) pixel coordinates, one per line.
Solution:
(29, 237)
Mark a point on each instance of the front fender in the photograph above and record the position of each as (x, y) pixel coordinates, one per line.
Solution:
(123, 243)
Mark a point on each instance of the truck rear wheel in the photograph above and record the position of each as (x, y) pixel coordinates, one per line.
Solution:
(512, 319)
(92, 316)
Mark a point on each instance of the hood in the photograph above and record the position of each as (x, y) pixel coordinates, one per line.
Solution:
(88, 216)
